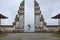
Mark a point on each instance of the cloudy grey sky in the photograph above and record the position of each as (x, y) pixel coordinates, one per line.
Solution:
(29, 15)
(49, 8)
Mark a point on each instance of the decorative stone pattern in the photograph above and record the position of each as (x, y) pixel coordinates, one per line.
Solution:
(19, 20)
(38, 18)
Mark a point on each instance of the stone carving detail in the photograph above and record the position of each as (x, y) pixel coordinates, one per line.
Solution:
(19, 20)
(39, 22)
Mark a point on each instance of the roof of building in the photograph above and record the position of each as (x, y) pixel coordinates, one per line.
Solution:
(57, 16)
(6, 25)
(2, 16)
(52, 25)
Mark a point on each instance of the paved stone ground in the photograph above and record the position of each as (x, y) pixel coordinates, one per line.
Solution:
(29, 36)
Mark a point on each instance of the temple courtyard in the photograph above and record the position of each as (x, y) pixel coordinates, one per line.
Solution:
(29, 36)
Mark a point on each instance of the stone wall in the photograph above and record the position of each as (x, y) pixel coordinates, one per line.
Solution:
(7, 28)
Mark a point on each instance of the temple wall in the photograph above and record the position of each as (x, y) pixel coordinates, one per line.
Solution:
(37, 21)
(17, 24)
(53, 28)
(21, 21)
(41, 24)
(7, 29)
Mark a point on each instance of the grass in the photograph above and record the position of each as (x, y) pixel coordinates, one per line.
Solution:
(56, 35)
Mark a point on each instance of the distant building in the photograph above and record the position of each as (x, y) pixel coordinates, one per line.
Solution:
(57, 17)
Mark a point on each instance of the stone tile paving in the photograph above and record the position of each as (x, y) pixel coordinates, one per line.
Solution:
(29, 36)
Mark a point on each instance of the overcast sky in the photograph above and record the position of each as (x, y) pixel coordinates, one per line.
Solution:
(49, 8)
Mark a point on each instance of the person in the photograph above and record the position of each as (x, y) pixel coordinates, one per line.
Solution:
(29, 27)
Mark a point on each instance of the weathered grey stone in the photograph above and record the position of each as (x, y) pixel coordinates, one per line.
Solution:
(30, 36)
